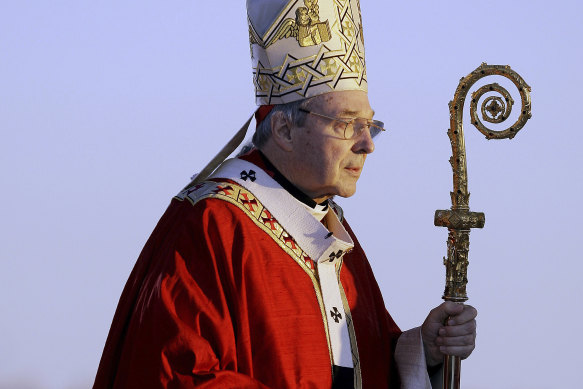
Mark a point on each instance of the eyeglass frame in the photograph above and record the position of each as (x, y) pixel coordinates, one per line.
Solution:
(370, 123)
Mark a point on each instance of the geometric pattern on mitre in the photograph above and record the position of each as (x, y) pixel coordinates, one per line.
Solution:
(304, 48)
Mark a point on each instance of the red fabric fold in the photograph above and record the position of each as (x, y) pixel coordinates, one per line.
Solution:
(213, 301)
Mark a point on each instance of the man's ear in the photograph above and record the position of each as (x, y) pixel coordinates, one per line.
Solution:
(281, 131)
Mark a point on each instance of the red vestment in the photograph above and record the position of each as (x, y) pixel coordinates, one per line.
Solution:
(214, 301)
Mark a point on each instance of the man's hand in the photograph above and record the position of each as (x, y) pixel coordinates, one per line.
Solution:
(456, 337)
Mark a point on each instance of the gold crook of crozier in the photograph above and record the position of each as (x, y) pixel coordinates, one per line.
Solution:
(459, 220)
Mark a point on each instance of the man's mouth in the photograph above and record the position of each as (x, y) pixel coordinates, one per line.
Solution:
(354, 169)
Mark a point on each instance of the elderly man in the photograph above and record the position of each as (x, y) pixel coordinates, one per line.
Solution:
(253, 278)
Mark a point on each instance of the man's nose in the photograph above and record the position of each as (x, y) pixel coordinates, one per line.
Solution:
(364, 143)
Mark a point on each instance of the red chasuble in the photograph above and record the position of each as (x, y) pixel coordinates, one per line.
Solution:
(222, 297)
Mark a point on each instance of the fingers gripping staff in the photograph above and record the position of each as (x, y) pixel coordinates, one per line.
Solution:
(459, 220)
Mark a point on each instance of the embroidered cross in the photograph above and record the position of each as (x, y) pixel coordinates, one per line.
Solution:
(250, 175)
(335, 255)
(269, 219)
(296, 75)
(289, 239)
(336, 315)
(226, 190)
(309, 262)
(354, 64)
(249, 203)
(329, 66)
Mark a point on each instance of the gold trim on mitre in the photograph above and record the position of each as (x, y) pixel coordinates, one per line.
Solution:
(304, 48)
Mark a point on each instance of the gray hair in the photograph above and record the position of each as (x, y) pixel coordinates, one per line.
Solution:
(292, 113)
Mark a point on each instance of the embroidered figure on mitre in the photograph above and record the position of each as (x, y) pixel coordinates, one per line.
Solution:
(306, 28)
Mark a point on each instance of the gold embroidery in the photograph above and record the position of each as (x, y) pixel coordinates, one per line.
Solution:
(306, 28)
(254, 209)
(329, 66)
(338, 63)
(296, 76)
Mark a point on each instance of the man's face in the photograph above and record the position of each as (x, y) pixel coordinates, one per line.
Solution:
(326, 164)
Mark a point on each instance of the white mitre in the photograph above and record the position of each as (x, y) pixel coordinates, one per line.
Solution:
(304, 48)
(300, 49)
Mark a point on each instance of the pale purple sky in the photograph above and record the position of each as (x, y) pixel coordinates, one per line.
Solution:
(107, 108)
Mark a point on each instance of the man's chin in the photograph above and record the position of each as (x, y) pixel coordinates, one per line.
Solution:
(347, 192)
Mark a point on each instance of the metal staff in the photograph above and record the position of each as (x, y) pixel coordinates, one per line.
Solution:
(459, 220)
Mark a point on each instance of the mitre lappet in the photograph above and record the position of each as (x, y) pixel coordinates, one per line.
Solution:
(300, 49)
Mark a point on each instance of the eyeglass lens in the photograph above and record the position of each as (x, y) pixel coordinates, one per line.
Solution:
(356, 127)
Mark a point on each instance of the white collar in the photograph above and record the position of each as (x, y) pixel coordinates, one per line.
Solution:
(294, 216)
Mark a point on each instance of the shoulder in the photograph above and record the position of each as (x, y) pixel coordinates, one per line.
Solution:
(221, 203)
(199, 228)
(208, 200)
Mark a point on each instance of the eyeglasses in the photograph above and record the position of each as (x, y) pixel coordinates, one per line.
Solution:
(354, 127)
